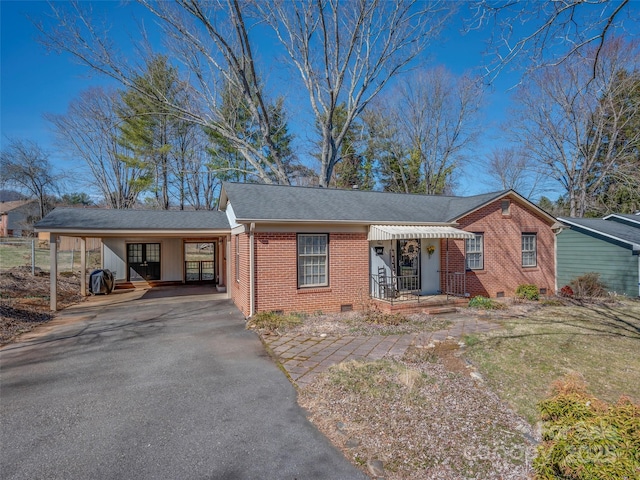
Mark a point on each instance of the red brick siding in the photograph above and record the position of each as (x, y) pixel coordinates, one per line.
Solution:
(503, 270)
(277, 276)
(239, 287)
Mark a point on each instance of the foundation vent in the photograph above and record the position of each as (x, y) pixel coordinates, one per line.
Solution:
(500, 295)
(348, 307)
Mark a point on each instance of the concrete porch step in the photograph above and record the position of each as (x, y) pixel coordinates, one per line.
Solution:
(439, 310)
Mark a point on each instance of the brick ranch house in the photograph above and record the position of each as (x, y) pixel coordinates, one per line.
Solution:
(308, 249)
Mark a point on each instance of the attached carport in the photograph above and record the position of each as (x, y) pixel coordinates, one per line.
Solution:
(158, 235)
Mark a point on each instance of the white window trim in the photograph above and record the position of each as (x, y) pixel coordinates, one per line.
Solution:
(474, 252)
(534, 251)
(299, 264)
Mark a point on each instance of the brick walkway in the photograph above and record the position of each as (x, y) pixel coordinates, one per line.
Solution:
(305, 357)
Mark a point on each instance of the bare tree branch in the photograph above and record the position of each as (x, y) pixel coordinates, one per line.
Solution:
(548, 32)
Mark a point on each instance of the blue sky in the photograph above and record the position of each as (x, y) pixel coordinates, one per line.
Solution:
(34, 82)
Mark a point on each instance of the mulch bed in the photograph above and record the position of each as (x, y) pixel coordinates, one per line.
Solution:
(24, 300)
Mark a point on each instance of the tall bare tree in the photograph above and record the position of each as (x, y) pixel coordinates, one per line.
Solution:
(90, 130)
(25, 167)
(346, 52)
(571, 126)
(438, 114)
(429, 121)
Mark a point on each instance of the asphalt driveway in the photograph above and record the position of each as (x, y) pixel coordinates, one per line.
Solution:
(167, 387)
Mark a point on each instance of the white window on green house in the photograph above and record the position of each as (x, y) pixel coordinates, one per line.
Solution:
(529, 250)
(475, 252)
(313, 260)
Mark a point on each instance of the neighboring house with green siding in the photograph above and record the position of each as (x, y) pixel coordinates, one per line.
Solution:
(608, 246)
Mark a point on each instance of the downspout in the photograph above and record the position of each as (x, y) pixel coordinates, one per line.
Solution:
(555, 262)
(252, 293)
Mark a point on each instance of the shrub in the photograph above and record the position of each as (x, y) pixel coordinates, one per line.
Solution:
(566, 291)
(273, 322)
(372, 314)
(585, 438)
(486, 303)
(380, 318)
(588, 285)
(528, 291)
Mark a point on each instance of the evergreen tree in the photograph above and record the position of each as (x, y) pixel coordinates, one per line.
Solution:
(149, 125)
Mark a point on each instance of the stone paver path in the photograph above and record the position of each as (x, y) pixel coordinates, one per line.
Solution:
(305, 357)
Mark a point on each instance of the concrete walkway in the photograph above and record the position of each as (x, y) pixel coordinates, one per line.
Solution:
(305, 357)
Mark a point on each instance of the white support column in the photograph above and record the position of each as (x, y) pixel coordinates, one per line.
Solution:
(83, 266)
(53, 271)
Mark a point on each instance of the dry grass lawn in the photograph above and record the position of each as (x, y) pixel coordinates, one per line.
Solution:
(599, 341)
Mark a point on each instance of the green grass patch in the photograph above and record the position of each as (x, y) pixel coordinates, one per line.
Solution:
(471, 339)
(598, 341)
(274, 322)
(486, 303)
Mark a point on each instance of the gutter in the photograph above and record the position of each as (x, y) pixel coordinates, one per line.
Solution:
(252, 293)
(348, 222)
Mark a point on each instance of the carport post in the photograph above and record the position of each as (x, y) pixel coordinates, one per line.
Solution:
(83, 266)
(53, 271)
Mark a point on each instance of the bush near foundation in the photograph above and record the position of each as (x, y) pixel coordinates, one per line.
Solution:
(588, 285)
(585, 438)
(528, 291)
(486, 303)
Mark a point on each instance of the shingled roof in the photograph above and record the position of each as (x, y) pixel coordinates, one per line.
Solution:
(81, 219)
(617, 231)
(259, 202)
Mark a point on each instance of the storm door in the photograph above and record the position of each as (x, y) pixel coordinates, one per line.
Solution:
(199, 262)
(409, 265)
(143, 261)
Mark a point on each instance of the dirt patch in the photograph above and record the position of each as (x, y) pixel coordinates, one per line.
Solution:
(419, 419)
(24, 301)
(365, 324)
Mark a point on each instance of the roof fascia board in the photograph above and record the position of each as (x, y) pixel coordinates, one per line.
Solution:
(344, 222)
(635, 247)
(624, 219)
(527, 203)
(73, 232)
(223, 199)
(310, 227)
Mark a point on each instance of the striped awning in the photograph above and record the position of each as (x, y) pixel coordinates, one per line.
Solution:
(398, 232)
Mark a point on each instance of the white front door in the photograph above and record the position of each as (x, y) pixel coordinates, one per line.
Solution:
(431, 267)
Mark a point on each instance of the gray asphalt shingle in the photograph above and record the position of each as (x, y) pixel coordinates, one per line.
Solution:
(277, 202)
(109, 219)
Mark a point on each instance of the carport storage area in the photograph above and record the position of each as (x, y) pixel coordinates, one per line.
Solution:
(147, 247)
(160, 386)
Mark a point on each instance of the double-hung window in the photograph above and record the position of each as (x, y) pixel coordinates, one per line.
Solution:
(313, 260)
(529, 250)
(475, 252)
